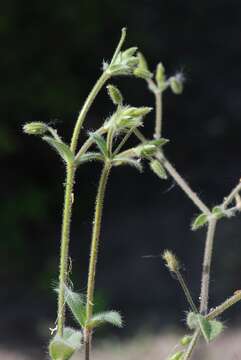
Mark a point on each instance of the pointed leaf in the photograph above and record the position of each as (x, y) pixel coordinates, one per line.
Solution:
(76, 304)
(101, 143)
(64, 347)
(216, 327)
(111, 317)
(200, 221)
(62, 149)
(88, 156)
(218, 212)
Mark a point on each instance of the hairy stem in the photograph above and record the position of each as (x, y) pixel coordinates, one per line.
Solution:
(183, 184)
(204, 296)
(224, 306)
(88, 102)
(158, 109)
(192, 345)
(186, 291)
(95, 246)
(65, 245)
(232, 195)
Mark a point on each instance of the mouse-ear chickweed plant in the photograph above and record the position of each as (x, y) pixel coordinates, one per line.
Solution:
(109, 145)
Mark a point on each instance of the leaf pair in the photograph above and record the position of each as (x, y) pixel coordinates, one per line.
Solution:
(77, 306)
(64, 347)
(210, 329)
(202, 219)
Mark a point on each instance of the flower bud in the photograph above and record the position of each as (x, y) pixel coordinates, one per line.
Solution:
(142, 73)
(186, 340)
(171, 261)
(176, 83)
(136, 112)
(160, 76)
(177, 356)
(35, 128)
(146, 150)
(158, 169)
(115, 94)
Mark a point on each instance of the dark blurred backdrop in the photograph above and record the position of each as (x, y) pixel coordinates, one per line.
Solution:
(51, 55)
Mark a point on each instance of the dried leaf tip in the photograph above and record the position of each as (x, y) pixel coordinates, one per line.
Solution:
(171, 261)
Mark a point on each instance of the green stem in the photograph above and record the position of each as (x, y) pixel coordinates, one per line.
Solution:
(88, 102)
(192, 345)
(95, 245)
(224, 306)
(158, 108)
(204, 296)
(186, 291)
(65, 245)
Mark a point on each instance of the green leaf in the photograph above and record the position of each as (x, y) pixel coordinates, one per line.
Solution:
(200, 221)
(216, 329)
(76, 304)
(62, 149)
(88, 156)
(158, 169)
(64, 347)
(205, 327)
(101, 143)
(111, 317)
(159, 142)
(218, 212)
(210, 328)
(122, 160)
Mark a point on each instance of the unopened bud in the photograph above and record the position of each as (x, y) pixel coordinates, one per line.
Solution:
(115, 94)
(158, 169)
(171, 261)
(137, 112)
(160, 75)
(177, 356)
(142, 73)
(176, 83)
(186, 340)
(35, 128)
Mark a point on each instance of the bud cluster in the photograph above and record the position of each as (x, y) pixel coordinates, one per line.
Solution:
(124, 64)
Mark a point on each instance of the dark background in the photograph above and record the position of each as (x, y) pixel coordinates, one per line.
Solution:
(51, 55)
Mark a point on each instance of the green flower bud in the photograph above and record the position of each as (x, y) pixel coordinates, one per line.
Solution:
(146, 150)
(115, 94)
(158, 169)
(160, 76)
(136, 112)
(142, 73)
(186, 340)
(171, 261)
(177, 356)
(35, 128)
(176, 83)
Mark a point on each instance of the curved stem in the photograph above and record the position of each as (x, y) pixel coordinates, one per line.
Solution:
(88, 102)
(192, 345)
(65, 245)
(94, 247)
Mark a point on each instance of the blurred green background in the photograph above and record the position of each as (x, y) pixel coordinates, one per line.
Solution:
(51, 55)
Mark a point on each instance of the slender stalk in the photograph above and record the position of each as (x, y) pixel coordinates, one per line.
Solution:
(183, 184)
(158, 109)
(186, 291)
(224, 306)
(90, 141)
(232, 195)
(88, 102)
(204, 296)
(123, 141)
(94, 249)
(192, 345)
(65, 245)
